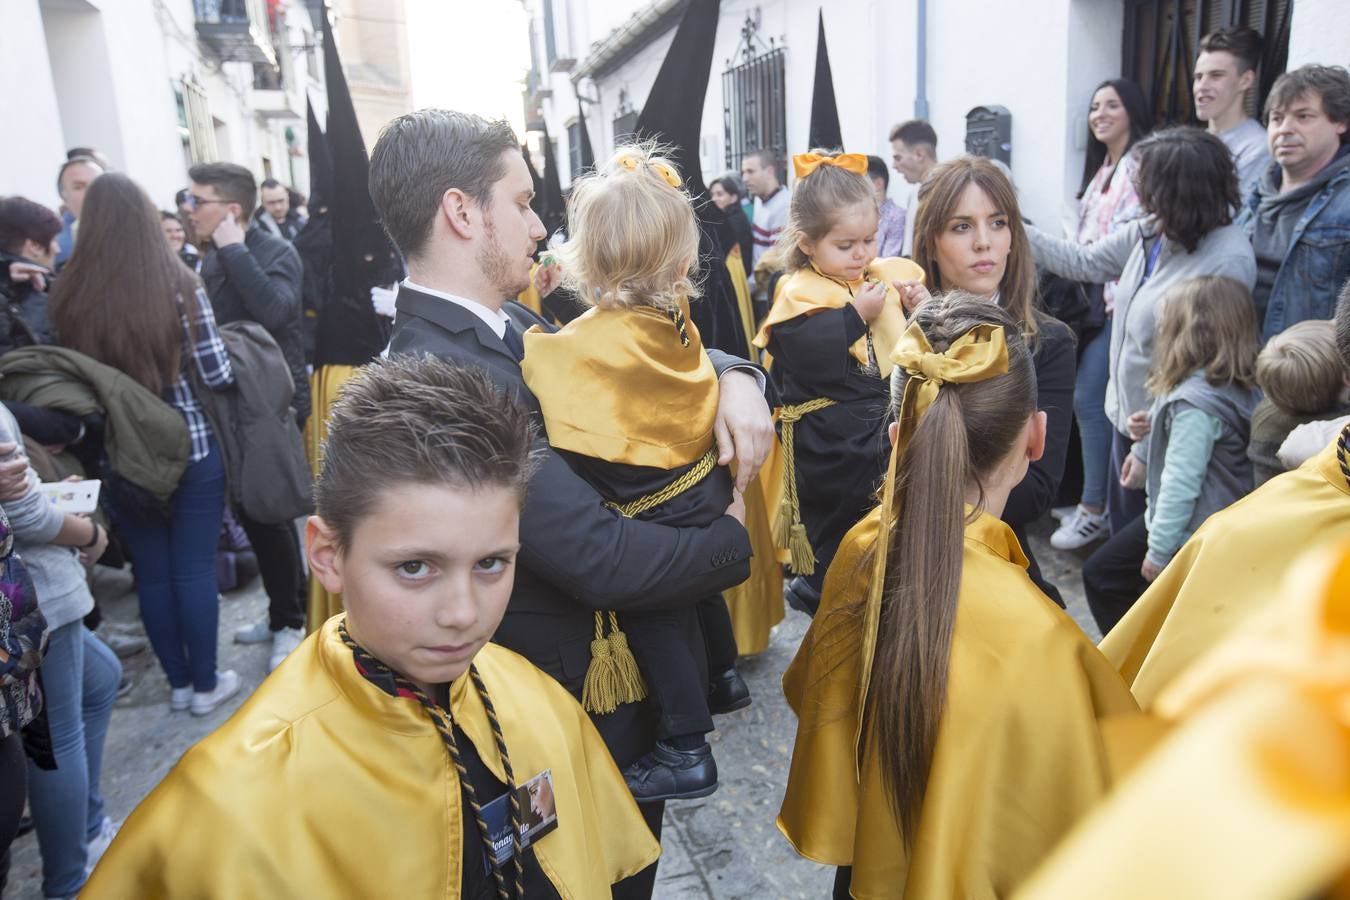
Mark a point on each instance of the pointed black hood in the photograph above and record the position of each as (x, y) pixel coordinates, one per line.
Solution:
(554, 214)
(825, 130)
(320, 163)
(673, 115)
(674, 110)
(587, 152)
(350, 332)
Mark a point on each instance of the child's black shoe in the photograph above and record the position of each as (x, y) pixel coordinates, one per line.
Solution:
(728, 692)
(670, 774)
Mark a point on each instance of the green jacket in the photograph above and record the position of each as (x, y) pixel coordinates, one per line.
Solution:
(146, 439)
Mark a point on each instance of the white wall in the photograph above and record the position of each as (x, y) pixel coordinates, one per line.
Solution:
(1040, 60)
(34, 144)
(1320, 33)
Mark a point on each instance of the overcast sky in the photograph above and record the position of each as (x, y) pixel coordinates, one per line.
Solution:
(470, 55)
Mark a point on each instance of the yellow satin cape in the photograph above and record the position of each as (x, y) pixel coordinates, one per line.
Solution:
(618, 385)
(1019, 756)
(806, 292)
(323, 785)
(1249, 797)
(324, 385)
(1232, 566)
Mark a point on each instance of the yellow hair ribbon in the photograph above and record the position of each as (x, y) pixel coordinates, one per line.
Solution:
(806, 163)
(631, 162)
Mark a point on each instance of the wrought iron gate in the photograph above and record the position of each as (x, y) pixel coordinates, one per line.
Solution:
(754, 103)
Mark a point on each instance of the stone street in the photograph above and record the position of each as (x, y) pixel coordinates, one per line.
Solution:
(723, 847)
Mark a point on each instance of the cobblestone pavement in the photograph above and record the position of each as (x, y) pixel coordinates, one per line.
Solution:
(723, 847)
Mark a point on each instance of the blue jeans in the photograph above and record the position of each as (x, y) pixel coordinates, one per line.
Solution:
(79, 678)
(1094, 429)
(175, 564)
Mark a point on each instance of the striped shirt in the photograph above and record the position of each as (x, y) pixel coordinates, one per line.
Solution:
(208, 354)
(771, 215)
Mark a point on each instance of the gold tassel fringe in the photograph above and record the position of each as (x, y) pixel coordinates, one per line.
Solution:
(613, 677)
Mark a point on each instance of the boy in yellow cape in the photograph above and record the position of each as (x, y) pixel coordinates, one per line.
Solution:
(1233, 565)
(397, 753)
(950, 714)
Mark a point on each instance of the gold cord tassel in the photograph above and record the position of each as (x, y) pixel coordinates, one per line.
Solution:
(600, 690)
(631, 687)
(788, 531)
(613, 677)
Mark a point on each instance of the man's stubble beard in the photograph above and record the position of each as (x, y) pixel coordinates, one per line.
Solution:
(496, 267)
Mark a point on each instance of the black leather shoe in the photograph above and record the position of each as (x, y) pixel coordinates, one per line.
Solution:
(728, 693)
(801, 596)
(670, 774)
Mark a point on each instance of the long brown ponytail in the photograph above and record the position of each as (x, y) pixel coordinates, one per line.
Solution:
(966, 431)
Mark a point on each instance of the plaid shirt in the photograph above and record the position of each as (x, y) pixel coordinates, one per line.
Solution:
(213, 365)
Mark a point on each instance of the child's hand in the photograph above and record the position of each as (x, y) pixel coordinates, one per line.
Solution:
(1134, 473)
(737, 508)
(870, 300)
(548, 276)
(1149, 571)
(912, 293)
(1138, 425)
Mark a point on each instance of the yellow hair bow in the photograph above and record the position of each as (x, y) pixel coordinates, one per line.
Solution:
(806, 163)
(977, 355)
(630, 163)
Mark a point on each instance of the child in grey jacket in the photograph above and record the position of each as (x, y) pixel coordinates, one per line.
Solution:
(1193, 462)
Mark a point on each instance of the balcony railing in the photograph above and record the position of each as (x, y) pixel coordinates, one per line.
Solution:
(235, 30)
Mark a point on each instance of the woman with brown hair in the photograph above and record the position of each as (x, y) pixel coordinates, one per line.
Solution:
(968, 235)
(949, 713)
(1188, 190)
(126, 300)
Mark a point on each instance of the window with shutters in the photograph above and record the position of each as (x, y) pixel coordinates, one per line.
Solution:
(1162, 38)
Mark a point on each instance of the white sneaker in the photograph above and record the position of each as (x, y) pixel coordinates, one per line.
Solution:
(205, 702)
(1079, 530)
(97, 845)
(180, 699)
(253, 634)
(283, 642)
(1060, 513)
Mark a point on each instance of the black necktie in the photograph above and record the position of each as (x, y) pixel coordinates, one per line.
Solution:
(511, 338)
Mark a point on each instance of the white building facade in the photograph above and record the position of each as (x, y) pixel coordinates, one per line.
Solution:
(156, 86)
(1038, 59)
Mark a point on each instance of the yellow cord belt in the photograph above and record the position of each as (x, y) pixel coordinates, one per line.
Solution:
(788, 531)
(613, 677)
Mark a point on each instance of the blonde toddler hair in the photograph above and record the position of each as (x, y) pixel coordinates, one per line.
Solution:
(1206, 323)
(632, 234)
(1300, 369)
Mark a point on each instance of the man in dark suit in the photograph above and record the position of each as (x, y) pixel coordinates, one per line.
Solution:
(454, 192)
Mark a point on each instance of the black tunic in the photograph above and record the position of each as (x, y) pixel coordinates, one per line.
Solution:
(841, 451)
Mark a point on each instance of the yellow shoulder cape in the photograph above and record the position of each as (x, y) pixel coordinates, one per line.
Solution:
(806, 292)
(618, 385)
(1020, 755)
(323, 785)
(1231, 567)
(1249, 797)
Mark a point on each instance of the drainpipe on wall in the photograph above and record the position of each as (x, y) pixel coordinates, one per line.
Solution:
(921, 57)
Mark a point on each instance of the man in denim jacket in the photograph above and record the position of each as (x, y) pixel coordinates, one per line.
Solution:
(1298, 218)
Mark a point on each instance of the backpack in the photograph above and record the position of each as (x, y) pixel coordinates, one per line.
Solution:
(256, 427)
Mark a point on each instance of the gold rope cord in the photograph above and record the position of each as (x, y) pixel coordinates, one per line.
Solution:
(788, 530)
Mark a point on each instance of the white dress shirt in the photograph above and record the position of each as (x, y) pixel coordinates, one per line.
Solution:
(493, 318)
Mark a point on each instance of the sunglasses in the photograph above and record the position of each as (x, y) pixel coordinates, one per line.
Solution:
(193, 201)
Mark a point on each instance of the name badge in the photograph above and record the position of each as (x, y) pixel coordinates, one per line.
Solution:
(538, 816)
